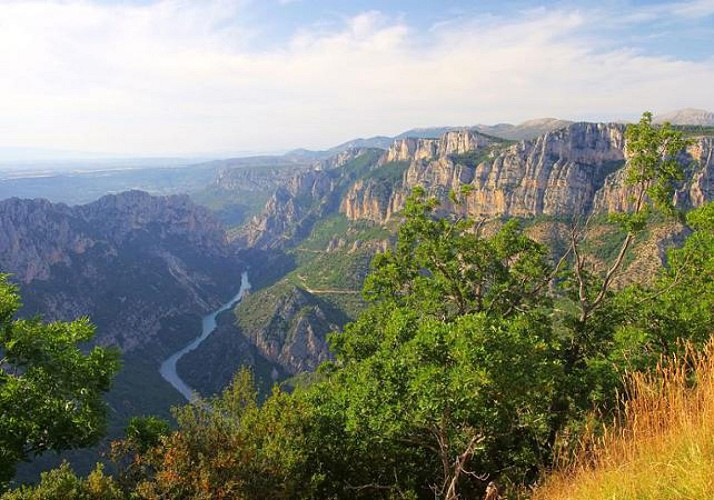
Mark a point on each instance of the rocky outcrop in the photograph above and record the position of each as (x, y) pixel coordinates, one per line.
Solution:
(700, 188)
(295, 335)
(573, 171)
(556, 174)
(288, 326)
(134, 263)
(306, 197)
(290, 210)
(35, 235)
(451, 143)
(570, 171)
(371, 200)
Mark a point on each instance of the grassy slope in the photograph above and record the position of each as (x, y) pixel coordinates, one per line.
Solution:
(336, 276)
(663, 447)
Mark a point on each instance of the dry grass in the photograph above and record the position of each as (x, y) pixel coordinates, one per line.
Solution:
(662, 446)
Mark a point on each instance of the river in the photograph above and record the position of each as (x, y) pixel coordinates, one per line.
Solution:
(168, 367)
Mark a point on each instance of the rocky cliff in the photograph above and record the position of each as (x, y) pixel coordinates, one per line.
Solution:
(451, 143)
(575, 170)
(306, 197)
(278, 332)
(132, 262)
(292, 333)
(697, 187)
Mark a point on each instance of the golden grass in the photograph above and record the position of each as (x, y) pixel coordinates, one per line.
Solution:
(662, 446)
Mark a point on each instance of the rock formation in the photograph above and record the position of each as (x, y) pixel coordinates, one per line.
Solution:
(566, 172)
(132, 262)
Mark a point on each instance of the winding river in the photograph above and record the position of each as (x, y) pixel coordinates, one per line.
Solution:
(168, 367)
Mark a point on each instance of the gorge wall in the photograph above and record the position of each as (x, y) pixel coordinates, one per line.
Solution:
(575, 170)
(136, 264)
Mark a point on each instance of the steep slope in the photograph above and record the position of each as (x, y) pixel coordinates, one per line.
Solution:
(306, 197)
(568, 172)
(697, 187)
(145, 270)
(132, 262)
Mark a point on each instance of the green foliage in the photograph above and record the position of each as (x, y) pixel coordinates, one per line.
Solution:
(63, 484)
(454, 358)
(228, 447)
(50, 391)
(339, 270)
(680, 303)
(450, 269)
(146, 432)
(653, 167)
(339, 227)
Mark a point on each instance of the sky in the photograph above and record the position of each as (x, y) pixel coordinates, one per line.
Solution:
(179, 77)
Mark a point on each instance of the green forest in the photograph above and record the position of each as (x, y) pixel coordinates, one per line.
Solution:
(481, 360)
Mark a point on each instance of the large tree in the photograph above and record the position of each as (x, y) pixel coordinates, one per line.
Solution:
(50, 390)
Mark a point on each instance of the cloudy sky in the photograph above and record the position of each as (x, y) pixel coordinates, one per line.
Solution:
(144, 77)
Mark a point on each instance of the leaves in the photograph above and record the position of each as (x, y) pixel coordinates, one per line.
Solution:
(50, 391)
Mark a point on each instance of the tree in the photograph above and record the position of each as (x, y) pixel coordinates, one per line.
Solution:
(678, 305)
(225, 447)
(62, 484)
(447, 377)
(50, 391)
(652, 169)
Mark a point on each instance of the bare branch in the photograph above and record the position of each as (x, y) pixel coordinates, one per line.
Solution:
(459, 467)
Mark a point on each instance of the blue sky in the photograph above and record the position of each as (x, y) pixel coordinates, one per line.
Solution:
(164, 77)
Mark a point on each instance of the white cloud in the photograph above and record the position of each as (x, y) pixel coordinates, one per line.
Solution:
(693, 9)
(176, 76)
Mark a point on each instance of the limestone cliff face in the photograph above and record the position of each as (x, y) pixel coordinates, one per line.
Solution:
(132, 262)
(295, 335)
(452, 142)
(304, 198)
(701, 186)
(305, 194)
(696, 189)
(35, 235)
(288, 326)
(575, 170)
(566, 172)
(371, 200)
(556, 174)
